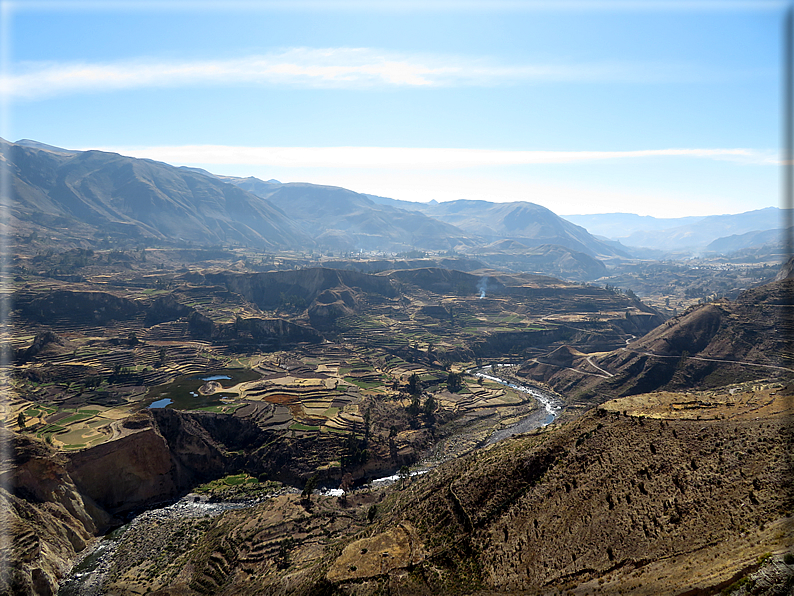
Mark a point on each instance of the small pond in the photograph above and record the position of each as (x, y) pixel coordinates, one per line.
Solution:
(182, 393)
(161, 403)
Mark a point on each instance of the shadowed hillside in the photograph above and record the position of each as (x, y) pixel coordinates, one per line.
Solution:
(649, 502)
(707, 346)
(93, 192)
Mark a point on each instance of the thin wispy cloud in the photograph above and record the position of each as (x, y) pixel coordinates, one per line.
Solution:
(318, 68)
(416, 158)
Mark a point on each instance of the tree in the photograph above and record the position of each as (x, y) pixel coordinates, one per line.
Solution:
(21, 420)
(346, 485)
(428, 409)
(454, 382)
(308, 488)
(405, 474)
(414, 408)
(430, 405)
(682, 361)
(414, 384)
(283, 555)
(355, 452)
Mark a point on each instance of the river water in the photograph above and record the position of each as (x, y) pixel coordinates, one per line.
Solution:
(543, 417)
(87, 576)
(551, 407)
(89, 573)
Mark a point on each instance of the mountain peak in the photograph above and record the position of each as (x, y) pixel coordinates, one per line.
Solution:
(43, 146)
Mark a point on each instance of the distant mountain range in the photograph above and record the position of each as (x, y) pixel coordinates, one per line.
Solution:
(68, 195)
(621, 225)
(528, 223)
(346, 220)
(713, 233)
(94, 193)
(88, 195)
(729, 244)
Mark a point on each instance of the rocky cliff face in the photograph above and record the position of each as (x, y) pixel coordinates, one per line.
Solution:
(267, 290)
(49, 519)
(639, 497)
(88, 307)
(54, 504)
(163, 454)
(133, 471)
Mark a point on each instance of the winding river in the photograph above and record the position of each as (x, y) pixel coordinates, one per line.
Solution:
(543, 417)
(88, 575)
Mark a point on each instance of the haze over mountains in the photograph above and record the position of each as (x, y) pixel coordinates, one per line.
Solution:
(79, 197)
(90, 194)
(349, 221)
(713, 233)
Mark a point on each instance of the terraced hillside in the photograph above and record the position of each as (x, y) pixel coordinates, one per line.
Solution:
(292, 375)
(638, 496)
(106, 346)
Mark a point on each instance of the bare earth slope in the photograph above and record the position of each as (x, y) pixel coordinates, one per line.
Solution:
(635, 497)
(93, 191)
(707, 346)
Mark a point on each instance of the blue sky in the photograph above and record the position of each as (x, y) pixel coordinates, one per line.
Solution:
(658, 108)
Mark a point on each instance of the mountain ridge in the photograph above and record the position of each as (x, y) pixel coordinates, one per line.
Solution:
(138, 199)
(677, 234)
(526, 222)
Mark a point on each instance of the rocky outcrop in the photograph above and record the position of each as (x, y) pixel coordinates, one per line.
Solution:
(166, 308)
(46, 342)
(48, 518)
(330, 305)
(269, 290)
(128, 473)
(95, 308)
(206, 446)
(163, 453)
(276, 330)
(397, 548)
(271, 331)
